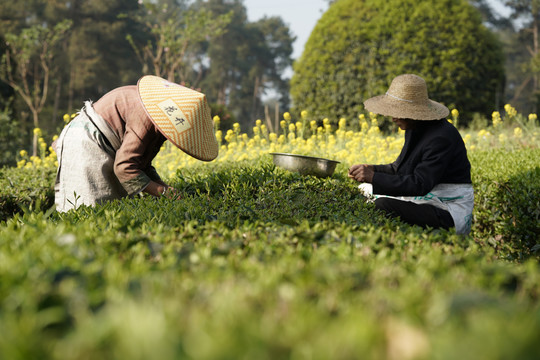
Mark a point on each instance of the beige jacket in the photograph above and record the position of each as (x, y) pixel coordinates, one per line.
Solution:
(139, 138)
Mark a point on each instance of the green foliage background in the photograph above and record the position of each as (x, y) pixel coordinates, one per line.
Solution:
(11, 139)
(359, 46)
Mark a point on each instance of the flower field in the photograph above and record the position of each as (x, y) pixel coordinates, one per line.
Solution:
(258, 262)
(351, 142)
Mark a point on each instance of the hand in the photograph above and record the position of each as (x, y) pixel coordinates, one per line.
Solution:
(171, 193)
(159, 189)
(362, 173)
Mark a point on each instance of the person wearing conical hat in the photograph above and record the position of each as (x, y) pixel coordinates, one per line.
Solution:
(430, 182)
(106, 151)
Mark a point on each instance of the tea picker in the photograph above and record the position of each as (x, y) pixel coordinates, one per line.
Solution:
(430, 182)
(106, 151)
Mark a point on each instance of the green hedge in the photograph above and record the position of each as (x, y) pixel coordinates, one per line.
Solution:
(359, 46)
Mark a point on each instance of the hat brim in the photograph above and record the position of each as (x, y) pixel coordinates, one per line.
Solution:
(181, 114)
(388, 106)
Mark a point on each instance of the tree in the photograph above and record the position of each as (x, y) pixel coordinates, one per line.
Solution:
(528, 11)
(98, 57)
(95, 56)
(274, 58)
(490, 17)
(174, 31)
(26, 65)
(358, 47)
(247, 61)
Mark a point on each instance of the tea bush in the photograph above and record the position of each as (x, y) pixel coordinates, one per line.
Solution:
(256, 262)
(507, 200)
(25, 189)
(506, 213)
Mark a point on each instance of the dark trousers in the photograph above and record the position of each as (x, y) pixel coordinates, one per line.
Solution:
(423, 215)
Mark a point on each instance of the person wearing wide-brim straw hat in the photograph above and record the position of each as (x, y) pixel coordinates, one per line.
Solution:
(106, 151)
(430, 182)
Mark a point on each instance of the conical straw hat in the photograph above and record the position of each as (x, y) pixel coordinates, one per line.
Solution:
(181, 114)
(407, 98)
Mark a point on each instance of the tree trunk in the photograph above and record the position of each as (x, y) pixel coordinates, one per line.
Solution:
(70, 90)
(56, 102)
(268, 120)
(36, 126)
(276, 125)
(255, 96)
(535, 53)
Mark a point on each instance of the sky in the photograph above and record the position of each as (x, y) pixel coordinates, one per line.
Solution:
(302, 15)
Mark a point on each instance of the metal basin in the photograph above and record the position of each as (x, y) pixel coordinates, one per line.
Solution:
(305, 165)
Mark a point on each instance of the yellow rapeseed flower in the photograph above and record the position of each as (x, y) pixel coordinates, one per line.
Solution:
(369, 145)
(510, 110)
(287, 116)
(496, 119)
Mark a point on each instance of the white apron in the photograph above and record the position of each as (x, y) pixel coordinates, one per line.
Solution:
(86, 151)
(457, 199)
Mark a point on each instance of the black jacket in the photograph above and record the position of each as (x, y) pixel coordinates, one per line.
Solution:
(433, 153)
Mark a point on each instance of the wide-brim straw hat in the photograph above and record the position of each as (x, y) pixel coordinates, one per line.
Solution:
(407, 98)
(181, 114)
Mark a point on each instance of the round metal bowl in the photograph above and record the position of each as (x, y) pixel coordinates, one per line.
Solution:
(305, 165)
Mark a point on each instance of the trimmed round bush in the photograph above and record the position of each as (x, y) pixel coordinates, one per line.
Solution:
(359, 46)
